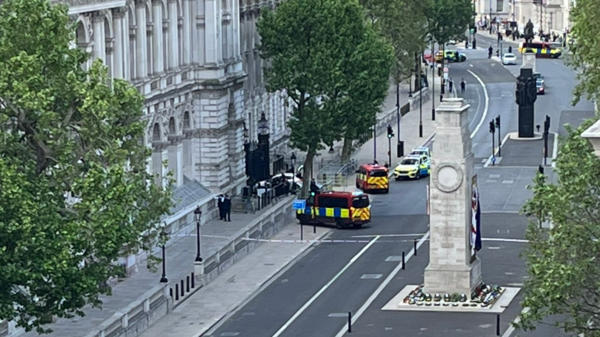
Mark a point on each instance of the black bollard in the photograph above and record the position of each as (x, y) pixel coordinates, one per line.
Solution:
(301, 232)
(182, 289)
(498, 325)
(171, 292)
(193, 281)
(187, 284)
(349, 321)
(176, 292)
(415, 246)
(403, 261)
(314, 229)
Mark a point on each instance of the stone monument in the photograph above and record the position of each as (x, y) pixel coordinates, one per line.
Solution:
(453, 265)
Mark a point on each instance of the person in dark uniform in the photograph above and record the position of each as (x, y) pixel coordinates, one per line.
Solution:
(221, 207)
(227, 208)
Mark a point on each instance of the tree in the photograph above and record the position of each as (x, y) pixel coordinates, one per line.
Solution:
(585, 56)
(314, 48)
(402, 25)
(74, 192)
(447, 19)
(564, 273)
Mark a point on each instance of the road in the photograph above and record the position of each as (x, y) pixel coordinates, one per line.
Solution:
(312, 297)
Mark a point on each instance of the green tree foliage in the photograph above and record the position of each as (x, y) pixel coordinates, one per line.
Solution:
(564, 273)
(74, 193)
(585, 56)
(448, 19)
(330, 63)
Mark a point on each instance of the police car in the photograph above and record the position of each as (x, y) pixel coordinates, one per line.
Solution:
(422, 150)
(413, 166)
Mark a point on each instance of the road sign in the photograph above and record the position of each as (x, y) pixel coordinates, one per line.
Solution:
(446, 73)
(493, 160)
(299, 204)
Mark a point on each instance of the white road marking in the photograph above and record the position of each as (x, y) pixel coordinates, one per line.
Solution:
(511, 328)
(555, 150)
(486, 105)
(382, 286)
(386, 235)
(489, 161)
(505, 240)
(325, 287)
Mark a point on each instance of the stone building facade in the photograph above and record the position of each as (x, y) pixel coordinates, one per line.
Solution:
(197, 65)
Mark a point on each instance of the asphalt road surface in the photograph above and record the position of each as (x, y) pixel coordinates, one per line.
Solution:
(312, 296)
(334, 278)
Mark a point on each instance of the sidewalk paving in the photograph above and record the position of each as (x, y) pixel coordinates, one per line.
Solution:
(211, 302)
(236, 285)
(180, 255)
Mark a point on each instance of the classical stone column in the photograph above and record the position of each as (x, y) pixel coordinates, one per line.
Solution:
(99, 40)
(453, 267)
(127, 52)
(118, 44)
(186, 38)
(141, 62)
(212, 27)
(173, 36)
(235, 19)
(198, 43)
(157, 38)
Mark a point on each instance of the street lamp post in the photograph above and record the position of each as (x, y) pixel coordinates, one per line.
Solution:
(263, 141)
(433, 84)
(164, 278)
(197, 215)
(420, 101)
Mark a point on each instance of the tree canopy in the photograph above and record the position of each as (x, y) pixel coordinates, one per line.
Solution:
(313, 47)
(585, 56)
(74, 192)
(448, 19)
(564, 273)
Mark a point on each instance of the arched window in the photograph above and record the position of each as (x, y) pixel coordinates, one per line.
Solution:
(172, 129)
(186, 120)
(156, 133)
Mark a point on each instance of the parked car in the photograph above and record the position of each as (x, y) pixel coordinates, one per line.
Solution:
(451, 56)
(509, 58)
(540, 87)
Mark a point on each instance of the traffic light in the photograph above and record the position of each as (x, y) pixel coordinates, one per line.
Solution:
(492, 127)
(498, 121)
(390, 133)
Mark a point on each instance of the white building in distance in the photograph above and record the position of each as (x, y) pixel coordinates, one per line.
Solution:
(550, 15)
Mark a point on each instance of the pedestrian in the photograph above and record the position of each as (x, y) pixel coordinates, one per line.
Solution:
(450, 84)
(510, 49)
(220, 206)
(227, 208)
(463, 86)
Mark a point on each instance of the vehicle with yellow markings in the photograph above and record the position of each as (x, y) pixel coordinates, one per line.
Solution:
(541, 49)
(372, 177)
(342, 209)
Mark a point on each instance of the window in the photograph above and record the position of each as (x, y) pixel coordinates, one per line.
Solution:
(333, 202)
(360, 202)
(378, 173)
(172, 129)
(156, 133)
(409, 162)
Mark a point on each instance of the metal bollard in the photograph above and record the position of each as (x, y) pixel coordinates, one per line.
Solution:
(497, 324)
(182, 289)
(415, 244)
(187, 284)
(193, 281)
(403, 261)
(349, 321)
(171, 292)
(176, 292)
(314, 228)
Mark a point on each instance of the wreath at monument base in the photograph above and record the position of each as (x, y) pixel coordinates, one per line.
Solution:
(484, 296)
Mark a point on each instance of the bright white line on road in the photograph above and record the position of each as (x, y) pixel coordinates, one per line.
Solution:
(382, 286)
(314, 298)
(386, 235)
(555, 150)
(511, 328)
(505, 240)
(486, 105)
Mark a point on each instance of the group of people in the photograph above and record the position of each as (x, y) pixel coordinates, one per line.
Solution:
(224, 205)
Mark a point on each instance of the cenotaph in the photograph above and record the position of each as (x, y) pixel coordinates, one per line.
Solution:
(453, 264)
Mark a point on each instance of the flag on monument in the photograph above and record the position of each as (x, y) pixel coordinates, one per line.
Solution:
(478, 225)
